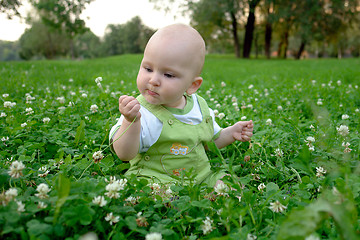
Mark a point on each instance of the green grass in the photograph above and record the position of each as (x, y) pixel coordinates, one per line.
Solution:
(307, 98)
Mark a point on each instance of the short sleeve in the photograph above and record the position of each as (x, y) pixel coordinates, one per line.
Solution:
(217, 128)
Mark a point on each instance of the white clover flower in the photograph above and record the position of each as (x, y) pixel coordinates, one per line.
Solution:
(155, 188)
(250, 86)
(46, 120)
(21, 206)
(346, 145)
(7, 104)
(319, 102)
(216, 112)
(112, 219)
(279, 108)
(169, 191)
(94, 108)
(251, 237)
(221, 115)
(338, 82)
(312, 127)
(277, 207)
(42, 205)
(310, 139)
(153, 236)
(223, 84)
(99, 200)
(344, 117)
(3, 114)
(243, 118)
(16, 169)
(114, 187)
(320, 171)
(61, 99)
(10, 194)
(221, 189)
(23, 124)
(29, 98)
(311, 148)
(29, 111)
(207, 226)
(279, 152)
(312, 237)
(98, 80)
(5, 95)
(43, 190)
(261, 187)
(4, 139)
(98, 156)
(132, 200)
(45, 171)
(61, 109)
(313, 82)
(343, 130)
(269, 122)
(84, 95)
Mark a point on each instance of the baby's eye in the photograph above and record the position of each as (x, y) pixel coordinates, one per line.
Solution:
(148, 69)
(168, 75)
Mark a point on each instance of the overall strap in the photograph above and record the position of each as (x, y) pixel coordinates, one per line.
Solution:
(203, 106)
(159, 111)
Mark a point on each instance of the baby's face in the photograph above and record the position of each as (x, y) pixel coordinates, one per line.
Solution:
(167, 71)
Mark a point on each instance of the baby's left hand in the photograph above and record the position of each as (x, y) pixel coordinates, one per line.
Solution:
(243, 130)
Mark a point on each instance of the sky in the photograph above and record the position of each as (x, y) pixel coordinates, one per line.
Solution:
(98, 15)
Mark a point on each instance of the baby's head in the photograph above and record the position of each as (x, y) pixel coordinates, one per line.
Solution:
(171, 66)
(182, 42)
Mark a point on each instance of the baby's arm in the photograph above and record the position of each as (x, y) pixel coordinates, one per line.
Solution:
(241, 131)
(127, 146)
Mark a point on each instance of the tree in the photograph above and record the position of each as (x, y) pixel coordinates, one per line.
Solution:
(130, 37)
(40, 41)
(216, 20)
(88, 45)
(10, 7)
(63, 16)
(249, 28)
(268, 12)
(9, 51)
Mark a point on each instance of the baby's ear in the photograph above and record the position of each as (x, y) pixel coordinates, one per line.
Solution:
(195, 85)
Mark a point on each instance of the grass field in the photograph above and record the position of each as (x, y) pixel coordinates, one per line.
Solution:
(299, 178)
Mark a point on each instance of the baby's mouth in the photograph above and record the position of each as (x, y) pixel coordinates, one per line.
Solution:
(152, 93)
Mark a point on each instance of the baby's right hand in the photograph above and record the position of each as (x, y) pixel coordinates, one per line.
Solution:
(129, 107)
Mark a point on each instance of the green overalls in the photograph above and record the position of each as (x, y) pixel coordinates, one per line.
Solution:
(179, 147)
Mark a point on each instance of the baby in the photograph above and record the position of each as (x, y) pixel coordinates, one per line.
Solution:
(166, 128)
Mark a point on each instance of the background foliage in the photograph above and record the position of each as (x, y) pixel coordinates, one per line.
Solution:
(247, 28)
(302, 99)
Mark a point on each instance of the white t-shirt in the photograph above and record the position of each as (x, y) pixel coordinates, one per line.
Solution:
(151, 126)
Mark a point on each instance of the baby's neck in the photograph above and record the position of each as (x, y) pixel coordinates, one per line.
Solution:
(182, 104)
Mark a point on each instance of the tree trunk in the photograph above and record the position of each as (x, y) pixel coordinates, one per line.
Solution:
(268, 34)
(235, 34)
(256, 45)
(286, 43)
(301, 49)
(339, 52)
(249, 29)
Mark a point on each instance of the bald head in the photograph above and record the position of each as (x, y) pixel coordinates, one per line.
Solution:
(182, 39)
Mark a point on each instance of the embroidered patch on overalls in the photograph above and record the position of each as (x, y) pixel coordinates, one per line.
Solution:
(176, 172)
(177, 149)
